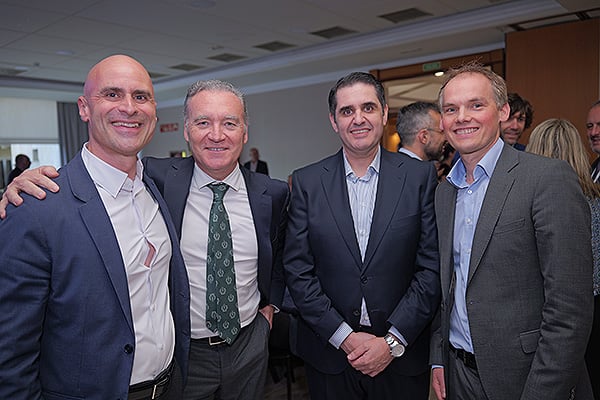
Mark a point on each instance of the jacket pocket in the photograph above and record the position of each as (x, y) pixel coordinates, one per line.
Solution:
(529, 341)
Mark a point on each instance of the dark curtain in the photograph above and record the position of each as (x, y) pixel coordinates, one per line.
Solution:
(72, 131)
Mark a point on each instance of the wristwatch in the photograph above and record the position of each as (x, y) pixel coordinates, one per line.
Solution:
(396, 348)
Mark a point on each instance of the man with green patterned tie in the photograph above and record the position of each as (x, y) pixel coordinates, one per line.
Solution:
(231, 303)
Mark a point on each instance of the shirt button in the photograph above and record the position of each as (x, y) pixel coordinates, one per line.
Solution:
(469, 191)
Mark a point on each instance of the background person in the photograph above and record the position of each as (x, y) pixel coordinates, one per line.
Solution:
(558, 138)
(22, 162)
(418, 126)
(256, 164)
(520, 118)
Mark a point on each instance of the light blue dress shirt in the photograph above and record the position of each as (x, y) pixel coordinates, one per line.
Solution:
(468, 205)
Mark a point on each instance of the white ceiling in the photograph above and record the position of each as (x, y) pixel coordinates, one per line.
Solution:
(47, 47)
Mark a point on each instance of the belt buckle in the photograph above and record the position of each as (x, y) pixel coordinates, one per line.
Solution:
(163, 382)
(217, 341)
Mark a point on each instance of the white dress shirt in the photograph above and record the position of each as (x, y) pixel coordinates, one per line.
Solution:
(194, 238)
(146, 251)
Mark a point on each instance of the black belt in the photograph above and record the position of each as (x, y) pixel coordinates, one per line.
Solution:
(217, 340)
(152, 389)
(467, 358)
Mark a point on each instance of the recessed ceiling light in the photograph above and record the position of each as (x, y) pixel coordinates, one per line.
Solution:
(439, 73)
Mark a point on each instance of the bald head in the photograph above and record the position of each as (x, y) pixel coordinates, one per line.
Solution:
(117, 63)
(118, 105)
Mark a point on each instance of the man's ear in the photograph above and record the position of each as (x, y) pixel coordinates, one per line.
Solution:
(422, 136)
(84, 108)
(333, 123)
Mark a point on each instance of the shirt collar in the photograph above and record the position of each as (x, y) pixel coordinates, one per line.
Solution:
(458, 174)
(235, 179)
(108, 177)
(373, 167)
(409, 153)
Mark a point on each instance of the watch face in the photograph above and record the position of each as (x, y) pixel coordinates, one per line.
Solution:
(398, 350)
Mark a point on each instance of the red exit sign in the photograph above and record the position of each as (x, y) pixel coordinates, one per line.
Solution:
(172, 127)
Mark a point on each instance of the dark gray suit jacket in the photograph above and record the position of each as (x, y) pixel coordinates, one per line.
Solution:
(399, 275)
(529, 290)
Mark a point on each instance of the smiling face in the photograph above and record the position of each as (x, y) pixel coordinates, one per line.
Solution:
(216, 131)
(513, 128)
(118, 105)
(470, 116)
(359, 120)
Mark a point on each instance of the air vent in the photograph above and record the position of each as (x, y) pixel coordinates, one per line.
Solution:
(187, 67)
(11, 71)
(274, 46)
(405, 15)
(331, 33)
(226, 57)
(156, 75)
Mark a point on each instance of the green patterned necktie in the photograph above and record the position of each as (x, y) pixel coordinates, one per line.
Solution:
(222, 315)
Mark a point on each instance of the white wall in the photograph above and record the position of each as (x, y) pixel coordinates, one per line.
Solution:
(28, 121)
(289, 127)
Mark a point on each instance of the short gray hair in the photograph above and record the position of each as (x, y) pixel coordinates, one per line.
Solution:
(213, 85)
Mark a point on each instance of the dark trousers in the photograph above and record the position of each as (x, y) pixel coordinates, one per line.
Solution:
(463, 382)
(353, 385)
(236, 372)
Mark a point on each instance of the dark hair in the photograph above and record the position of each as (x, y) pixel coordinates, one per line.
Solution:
(20, 157)
(414, 117)
(351, 79)
(520, 105)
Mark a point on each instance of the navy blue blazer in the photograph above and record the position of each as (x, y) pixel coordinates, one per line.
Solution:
(399, 277)
(268, 202)
(66, 329)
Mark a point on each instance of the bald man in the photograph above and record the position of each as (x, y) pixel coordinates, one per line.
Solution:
(94, 297)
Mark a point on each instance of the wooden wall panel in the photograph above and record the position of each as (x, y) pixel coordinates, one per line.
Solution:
(556, 68)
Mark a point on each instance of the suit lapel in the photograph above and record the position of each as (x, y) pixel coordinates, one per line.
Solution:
(177, 188)
(333, 181)
(260, 206)
(493, 203)
(389, 190)
(99, 226)
(445, 211)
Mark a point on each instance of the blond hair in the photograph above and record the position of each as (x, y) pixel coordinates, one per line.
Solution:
(558, 138)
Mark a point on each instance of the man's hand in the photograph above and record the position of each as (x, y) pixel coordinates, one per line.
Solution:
(354, 340)
(438, 384)
(30, 182)
(371, 357)
(267, 312)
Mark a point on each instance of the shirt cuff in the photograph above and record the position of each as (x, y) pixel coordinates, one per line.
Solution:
(338, 337)
(396, 333)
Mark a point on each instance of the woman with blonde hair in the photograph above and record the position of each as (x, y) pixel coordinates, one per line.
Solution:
(558, 138)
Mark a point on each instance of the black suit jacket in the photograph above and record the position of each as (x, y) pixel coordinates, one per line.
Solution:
(399, 277)
(261, 167)
(268, 201)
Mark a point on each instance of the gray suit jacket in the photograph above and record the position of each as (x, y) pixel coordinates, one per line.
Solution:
(529, 290)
